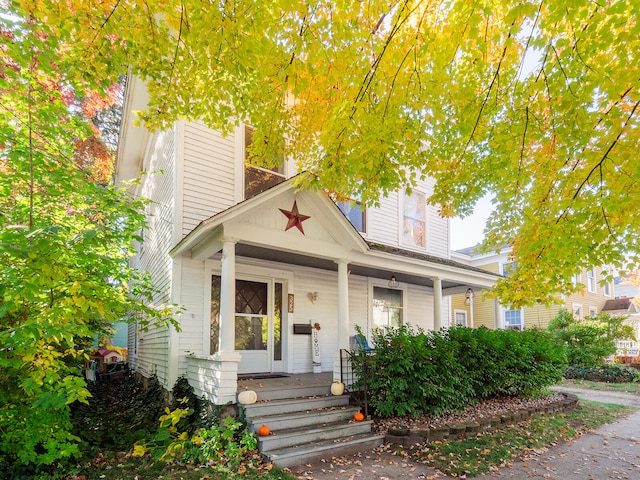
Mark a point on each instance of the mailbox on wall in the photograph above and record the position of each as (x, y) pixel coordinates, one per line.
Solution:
(301, 329)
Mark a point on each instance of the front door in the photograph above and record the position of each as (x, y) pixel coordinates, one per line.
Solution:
(259, 326)
(258, 323)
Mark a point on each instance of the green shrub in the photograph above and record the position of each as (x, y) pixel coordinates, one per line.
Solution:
(419, 372)
(507, 362)
(119, 413)
(228, 444)
(202, 414)
(603, 373)
(588, 342)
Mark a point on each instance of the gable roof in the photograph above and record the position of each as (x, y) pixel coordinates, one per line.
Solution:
(325, 211)
(620, 304)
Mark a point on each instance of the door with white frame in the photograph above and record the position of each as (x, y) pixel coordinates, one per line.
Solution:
(258, 323)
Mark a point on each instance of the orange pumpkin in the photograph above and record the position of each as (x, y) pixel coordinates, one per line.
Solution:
(263, 431)
(358, 416)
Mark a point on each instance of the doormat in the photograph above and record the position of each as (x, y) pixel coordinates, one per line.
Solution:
(260, 376)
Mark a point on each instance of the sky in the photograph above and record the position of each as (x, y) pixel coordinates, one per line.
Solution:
(468, 231)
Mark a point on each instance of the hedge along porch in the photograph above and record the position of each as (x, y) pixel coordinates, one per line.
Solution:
(249, 273)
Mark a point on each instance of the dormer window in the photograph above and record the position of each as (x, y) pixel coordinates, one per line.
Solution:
(258, 179)
(355, 212)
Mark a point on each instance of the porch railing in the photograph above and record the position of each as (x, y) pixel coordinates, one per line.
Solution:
(354, 384)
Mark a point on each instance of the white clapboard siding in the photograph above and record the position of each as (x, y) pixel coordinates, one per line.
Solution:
(358, 304)
(208, 174)
(383, 222)
(324, 312)
(437, 226)
(195, 330)
(151, 353)
(419, 307)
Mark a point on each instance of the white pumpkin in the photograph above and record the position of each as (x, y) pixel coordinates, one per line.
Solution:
(337, 388)
(247, 397)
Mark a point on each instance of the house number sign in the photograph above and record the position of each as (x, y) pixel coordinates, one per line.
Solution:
(290, 303)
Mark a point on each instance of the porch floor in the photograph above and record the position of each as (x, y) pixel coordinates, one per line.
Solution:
(285, 382)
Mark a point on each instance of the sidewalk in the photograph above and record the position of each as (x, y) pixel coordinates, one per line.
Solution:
(610, 452)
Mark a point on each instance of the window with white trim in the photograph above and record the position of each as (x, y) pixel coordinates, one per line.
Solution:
(387, 307)
(414, 219)
(576, 279)
(593, 311)
(460, 318)
(577, 311)
(508, 268)
(591, 280)
(513, 319)
(258, 179)
(606, 289)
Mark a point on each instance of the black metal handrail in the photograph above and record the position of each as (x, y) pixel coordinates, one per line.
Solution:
(355, 385)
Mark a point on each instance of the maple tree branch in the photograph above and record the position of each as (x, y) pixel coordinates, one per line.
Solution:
(106, 20)
(393, 82)
(523, 145)
(496, 75)
(606, 154)
(368, 79)
(175, 55)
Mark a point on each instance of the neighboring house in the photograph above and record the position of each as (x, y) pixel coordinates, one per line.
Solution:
(624, 288)
(475, 311)
(626, 306)
(254, 261)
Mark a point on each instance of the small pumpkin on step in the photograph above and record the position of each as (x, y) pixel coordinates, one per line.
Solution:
(358, 416)
(263, 431)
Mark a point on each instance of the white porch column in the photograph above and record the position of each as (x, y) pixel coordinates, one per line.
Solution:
(343, 317)
(343, 304)
(228, 298)
(437, 303)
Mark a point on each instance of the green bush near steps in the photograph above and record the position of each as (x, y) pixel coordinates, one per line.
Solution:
(418, 372)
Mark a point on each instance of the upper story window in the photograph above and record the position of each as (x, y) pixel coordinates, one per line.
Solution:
(508, 268)
(576, 279)
(414, 219)
(606, 289)
(355, 212)
(258, 179)
(591, 280)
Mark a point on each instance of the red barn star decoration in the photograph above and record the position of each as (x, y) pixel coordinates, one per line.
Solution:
(295, 217)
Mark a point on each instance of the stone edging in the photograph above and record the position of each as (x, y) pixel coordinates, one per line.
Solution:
(410, 436)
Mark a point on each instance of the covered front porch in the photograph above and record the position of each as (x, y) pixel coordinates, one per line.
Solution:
(274, 280)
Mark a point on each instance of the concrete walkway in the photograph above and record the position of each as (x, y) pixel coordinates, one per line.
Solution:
(610, 452)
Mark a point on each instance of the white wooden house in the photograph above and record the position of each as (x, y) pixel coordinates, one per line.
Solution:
(255, 262)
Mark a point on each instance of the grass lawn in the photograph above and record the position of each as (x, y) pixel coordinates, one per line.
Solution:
(609, 387)
(473, 456)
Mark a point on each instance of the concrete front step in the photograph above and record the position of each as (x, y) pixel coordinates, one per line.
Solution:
(304, 418)
(309, 452)
(290, 405)
(293, 391)
(298, 436)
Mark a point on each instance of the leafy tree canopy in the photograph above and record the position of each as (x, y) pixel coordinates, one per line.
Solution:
(65, 243)
(534, 101)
